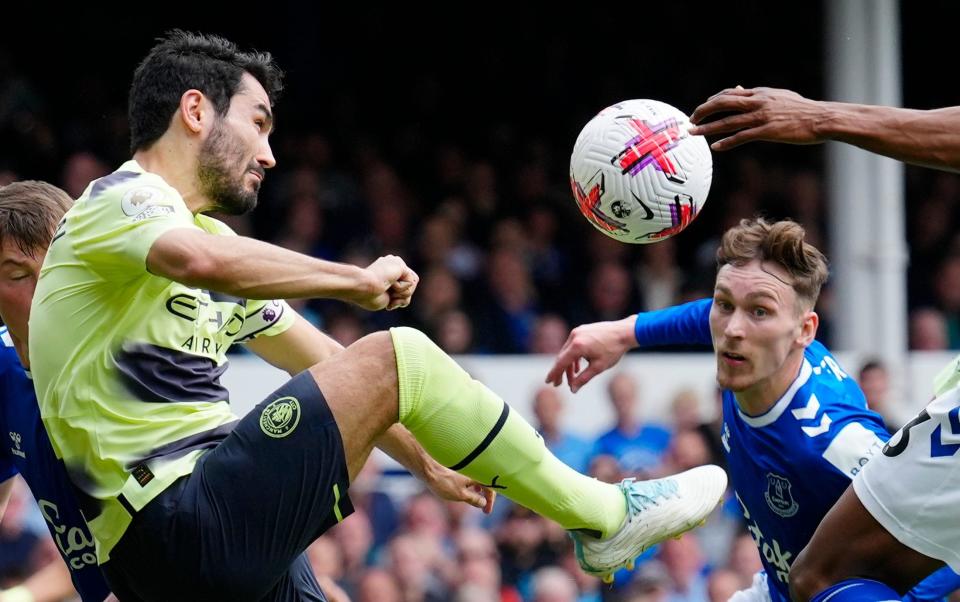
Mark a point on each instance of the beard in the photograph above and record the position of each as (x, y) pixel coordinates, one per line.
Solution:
(221, 168)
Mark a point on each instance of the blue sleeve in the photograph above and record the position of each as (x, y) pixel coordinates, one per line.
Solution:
(937, 586)
(687, 324)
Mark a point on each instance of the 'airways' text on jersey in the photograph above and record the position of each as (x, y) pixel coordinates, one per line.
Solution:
(791, 464)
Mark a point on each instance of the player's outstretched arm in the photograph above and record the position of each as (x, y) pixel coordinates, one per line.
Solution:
(398, 443)
(600, 344)
(249, 268)
(929, 138)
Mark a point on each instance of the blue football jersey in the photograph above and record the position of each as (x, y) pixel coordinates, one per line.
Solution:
(27, 450)
(789, 465)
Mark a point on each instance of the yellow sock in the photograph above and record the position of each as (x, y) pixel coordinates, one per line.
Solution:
(466, 427)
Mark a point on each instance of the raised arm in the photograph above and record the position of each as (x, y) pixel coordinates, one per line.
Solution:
(249, 268)
(602, 344)
(929, 138)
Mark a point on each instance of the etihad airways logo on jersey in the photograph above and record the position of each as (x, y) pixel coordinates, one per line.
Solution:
(205, 310)
(15, 450)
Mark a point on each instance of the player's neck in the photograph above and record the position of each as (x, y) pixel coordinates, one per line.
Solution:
(20, 346)
(166, 160)
(762, 396)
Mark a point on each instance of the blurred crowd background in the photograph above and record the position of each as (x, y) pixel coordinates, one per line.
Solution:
(444, 138)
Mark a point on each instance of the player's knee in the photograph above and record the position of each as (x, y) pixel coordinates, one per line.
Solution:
(376, 344)
(411, 335)
(807, 578)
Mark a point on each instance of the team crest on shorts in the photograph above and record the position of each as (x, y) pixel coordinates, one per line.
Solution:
(779, 497)
(280, 417)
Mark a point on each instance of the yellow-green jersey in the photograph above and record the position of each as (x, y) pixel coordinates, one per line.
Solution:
(126, 364)
(947, 378)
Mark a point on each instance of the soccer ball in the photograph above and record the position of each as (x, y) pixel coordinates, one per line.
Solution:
(637, 175)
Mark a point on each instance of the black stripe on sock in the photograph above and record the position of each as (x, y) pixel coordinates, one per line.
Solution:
(486, 440)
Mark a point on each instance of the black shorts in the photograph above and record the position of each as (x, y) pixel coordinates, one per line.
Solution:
(236, 527)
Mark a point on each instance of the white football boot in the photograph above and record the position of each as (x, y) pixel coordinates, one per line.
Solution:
(656, 510)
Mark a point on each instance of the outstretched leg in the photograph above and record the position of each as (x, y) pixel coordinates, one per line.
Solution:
(402, 376)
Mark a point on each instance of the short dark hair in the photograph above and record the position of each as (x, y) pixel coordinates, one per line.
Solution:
(184, 61)
(870, 365)
(782, 243)
(29, 213)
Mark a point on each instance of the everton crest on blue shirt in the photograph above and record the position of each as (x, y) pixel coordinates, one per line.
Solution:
(779, 497)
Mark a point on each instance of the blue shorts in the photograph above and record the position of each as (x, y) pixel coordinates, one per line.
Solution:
(237, 526)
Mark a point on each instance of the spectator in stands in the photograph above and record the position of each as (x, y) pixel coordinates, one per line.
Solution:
(572, 450)
(688, 415)
(378, 585)
(657, 275)
(928, 330)
(721, 585)
(688, 448)
(478, 563)
(588, 587)
(874, 380)
(411, 559)
(609, 294)
(80, 169)
(439, 292)
(549, 334)
(637, 445)
(327, 562)
(552, 584)
(356, 544)
(509, 312)
(23, 550)
(947, 287)
(684, 562)
(745, 559)
(455, 333)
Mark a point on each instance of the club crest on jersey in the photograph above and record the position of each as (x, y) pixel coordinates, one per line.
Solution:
(779, 497)
(141, 203)
(280, 417)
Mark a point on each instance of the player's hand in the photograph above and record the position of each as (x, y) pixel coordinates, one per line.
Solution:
(767, 114)
(393, 284)
(601, 344)
(455, 487)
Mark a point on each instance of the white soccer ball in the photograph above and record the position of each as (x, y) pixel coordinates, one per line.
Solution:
(637, 175)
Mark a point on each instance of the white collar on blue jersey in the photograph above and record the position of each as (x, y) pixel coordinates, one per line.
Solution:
(771, 415)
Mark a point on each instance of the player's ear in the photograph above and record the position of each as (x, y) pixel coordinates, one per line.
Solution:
(193, 105)
(808, 327)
